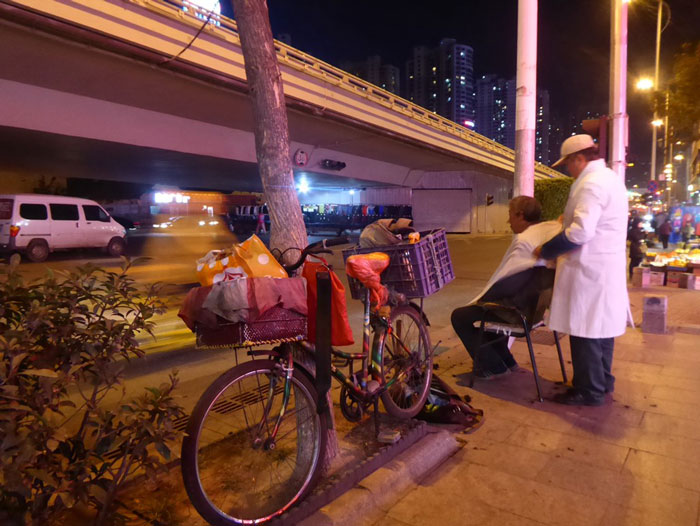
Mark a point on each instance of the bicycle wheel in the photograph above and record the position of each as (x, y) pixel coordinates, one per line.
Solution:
(230, 472)
(407, 363)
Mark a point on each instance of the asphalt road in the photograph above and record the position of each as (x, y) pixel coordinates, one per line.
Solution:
(171, 259)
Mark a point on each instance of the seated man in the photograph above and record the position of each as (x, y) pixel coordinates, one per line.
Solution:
(512, 284)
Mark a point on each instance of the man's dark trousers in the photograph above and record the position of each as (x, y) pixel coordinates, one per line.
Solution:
(592, 360)
(520, 290)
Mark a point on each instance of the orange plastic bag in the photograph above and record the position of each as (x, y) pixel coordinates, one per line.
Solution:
(250, 259)
(341, 333)
(368, 268)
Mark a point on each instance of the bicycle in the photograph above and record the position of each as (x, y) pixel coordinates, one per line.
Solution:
(255, 440)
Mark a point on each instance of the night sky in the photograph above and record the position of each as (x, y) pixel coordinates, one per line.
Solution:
(573, 47)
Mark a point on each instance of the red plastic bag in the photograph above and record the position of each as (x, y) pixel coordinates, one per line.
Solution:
(368, 268)
(341, 333)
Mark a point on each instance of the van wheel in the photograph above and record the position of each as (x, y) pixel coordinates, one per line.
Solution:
(116, 247)
(37, 250)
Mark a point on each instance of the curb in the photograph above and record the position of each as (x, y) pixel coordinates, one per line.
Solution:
(377, 492)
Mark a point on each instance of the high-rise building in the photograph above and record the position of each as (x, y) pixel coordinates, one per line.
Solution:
(372, 70)
(495, 109)
(441, 79)
(543, 128)
(455, 71)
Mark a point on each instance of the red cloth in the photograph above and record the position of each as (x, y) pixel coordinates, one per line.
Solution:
(341, 333)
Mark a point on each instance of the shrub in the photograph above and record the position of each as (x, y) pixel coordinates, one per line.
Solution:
(62, 338)
(552, 195)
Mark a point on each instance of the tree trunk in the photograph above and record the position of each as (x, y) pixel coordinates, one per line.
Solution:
(272, 139)
(270, 125)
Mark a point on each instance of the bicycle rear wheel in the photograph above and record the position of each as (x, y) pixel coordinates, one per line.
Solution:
(407, 363)
(233, 472)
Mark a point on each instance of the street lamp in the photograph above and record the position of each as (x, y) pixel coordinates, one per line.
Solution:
(645, 84)
(659, 29)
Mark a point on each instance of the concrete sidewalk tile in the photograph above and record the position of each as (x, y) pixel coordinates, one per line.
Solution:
(519, 461)
(616, 515)
(679, 371)
(687, 410)
(687, 384)
(674, 394)
(671, 425)
(663, 469)
(583, 449)
(493, 429)
(678, 447)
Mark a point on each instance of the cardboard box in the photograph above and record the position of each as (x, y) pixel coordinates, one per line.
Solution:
(686, 281)
(640, 277)
(673, 278)
(656, 279)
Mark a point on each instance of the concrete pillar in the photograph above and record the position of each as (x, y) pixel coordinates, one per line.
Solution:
(525, 99)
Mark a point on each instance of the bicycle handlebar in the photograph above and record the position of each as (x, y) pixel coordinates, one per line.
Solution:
(315, 248)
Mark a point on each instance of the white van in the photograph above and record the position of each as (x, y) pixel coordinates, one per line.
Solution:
(36, 225)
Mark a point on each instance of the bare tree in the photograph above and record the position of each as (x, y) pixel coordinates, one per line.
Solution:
(272, 141)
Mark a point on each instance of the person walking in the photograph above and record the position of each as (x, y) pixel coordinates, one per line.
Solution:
(665, 232)
(590, 301)
(635, 236)
(260, 226)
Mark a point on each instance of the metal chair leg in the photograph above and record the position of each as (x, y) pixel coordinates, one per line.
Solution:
(475, 360)
(532, 359)
(561, 358)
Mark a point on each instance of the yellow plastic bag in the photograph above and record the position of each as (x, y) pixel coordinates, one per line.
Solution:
(250, 259)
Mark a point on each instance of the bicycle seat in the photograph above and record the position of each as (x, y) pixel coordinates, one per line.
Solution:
(367, 268)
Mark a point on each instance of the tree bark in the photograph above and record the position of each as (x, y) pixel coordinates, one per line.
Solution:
(270, 125)
(272, 141)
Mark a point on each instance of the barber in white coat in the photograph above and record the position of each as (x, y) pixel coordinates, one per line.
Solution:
(590, 301)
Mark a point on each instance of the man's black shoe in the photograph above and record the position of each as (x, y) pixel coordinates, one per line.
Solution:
(572, 397)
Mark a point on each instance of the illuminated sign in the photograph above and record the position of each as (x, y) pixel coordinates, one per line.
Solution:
(169, 197)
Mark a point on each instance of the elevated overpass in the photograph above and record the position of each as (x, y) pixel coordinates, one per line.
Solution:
(144, 90)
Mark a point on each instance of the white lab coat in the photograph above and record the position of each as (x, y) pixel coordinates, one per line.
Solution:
(519, 255)
(590, 289)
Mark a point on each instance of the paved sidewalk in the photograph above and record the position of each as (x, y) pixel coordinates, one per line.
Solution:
(634, 461)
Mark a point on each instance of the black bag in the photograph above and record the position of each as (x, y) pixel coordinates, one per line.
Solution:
(445, 406)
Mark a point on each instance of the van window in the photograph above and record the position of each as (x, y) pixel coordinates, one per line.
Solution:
(6, 208)
(95, 213)
(29, 211)
(64, 212)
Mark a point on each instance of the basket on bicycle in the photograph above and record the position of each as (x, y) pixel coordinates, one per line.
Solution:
(275, 325)
(416, 270)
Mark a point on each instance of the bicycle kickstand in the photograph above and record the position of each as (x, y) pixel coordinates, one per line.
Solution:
(385, 437)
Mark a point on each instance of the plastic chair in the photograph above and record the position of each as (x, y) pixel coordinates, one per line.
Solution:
(518, 323)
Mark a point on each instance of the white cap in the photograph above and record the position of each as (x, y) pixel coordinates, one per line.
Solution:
(574, 144)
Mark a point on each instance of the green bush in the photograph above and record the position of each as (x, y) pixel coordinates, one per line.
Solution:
(62, 339)
(552, 195)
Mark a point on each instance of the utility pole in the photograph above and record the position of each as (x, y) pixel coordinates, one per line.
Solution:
(618, 87)
(525, 99)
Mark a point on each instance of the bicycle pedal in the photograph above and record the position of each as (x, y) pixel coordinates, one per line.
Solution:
(372, 386)
(389, 437)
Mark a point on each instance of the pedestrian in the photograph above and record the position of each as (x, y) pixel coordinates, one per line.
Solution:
(589, 300)
(260, 227)
(665, 232)
(687, 232)
(635, 236)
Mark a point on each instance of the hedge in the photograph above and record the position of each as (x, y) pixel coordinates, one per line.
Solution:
(552, 195)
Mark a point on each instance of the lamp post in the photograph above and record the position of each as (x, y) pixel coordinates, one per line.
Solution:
(659, 29)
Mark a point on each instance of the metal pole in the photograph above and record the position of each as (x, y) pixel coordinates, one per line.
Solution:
(656, 88)
(618, 87)
(525, 99)
(668, 161)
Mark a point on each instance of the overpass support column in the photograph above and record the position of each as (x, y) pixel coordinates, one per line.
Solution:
(525, 99)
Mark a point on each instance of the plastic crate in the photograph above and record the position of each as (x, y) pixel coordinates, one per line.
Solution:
(416, 270)
(274, 326)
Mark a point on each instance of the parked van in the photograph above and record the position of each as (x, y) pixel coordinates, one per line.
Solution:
(36, 225)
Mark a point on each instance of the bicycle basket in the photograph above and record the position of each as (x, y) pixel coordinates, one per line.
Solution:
(416, 270)
(273, 326)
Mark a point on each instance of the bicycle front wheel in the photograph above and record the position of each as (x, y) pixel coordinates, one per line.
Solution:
(234, 470)
(407, 363)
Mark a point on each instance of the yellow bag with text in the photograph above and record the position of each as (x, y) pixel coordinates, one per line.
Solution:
(249, 259)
